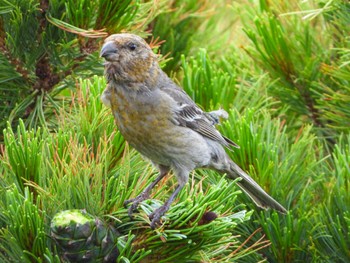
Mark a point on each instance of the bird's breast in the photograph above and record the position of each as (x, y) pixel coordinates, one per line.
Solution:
(137, 116)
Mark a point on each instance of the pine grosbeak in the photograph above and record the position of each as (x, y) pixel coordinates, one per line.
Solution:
(162, 122)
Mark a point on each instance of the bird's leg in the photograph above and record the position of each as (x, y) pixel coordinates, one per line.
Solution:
(146, 192)
(158, 213)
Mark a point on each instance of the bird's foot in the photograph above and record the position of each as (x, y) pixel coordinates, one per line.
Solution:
(135, 202)
(156, 215)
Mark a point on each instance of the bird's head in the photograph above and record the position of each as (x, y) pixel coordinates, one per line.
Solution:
(129, 58)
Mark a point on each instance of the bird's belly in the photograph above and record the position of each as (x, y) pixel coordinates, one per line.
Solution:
(163, 142)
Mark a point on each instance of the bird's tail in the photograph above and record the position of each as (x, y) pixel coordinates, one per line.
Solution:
(253, 190)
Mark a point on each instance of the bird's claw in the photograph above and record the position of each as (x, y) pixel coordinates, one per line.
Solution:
(135, 203)
(155, 220)
(132, 209)
(157, 215)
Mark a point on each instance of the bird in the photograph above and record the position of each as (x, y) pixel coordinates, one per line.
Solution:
(161, 121)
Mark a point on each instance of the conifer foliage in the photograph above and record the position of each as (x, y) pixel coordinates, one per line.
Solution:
(280, 68)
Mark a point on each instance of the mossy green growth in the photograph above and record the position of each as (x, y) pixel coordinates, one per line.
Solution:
(68, 217)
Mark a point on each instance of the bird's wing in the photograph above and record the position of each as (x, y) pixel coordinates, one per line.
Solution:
(188, 114)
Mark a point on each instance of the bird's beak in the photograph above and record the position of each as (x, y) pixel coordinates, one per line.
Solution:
(108, 50)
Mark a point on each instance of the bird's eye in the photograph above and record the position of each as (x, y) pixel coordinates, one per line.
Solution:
(132, 46)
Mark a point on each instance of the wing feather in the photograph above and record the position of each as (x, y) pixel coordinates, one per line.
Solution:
(188, 114)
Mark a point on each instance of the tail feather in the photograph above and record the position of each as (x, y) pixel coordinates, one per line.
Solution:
(253, 190)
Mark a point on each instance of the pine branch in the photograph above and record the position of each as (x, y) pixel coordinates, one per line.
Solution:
(16, 63)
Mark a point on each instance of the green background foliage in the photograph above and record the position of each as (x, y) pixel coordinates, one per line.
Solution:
(280, 68)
